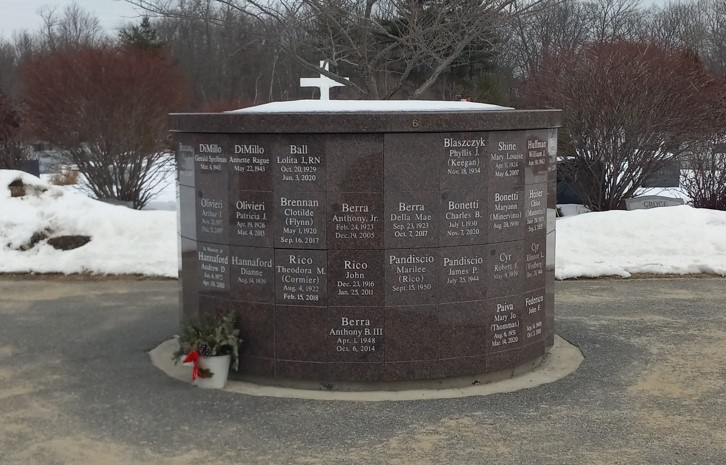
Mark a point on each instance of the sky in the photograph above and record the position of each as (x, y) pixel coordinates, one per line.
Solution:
(24, 14)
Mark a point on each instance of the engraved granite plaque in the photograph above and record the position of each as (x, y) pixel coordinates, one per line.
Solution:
(412, 276)
(536, 158)
(213, 269)
(250, 220)
(300, 220)
(504, 318)
(505, 211)
(462, 217)
(298, 164)
(355, 220)
(356, 278)
(535, 209)
(411, 219)
(463, 272)
(506, 160)
(300, 277)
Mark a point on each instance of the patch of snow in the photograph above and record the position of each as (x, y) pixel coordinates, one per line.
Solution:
(675, 240)
(123, 241)
(353, 106)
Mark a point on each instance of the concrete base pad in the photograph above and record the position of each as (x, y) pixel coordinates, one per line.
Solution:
(561, 360)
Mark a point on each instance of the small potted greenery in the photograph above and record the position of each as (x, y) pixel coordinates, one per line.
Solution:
(210, 349)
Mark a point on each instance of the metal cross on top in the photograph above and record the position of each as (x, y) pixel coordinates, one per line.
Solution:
(324, 83)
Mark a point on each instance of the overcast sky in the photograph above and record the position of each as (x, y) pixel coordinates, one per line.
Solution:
(23, 14)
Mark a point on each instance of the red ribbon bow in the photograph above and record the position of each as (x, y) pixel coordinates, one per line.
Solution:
(193, 357)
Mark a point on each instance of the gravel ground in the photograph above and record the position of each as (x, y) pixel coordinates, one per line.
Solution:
(77, 387)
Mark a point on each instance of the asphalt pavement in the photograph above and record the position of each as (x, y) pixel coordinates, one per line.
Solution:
(77, 387)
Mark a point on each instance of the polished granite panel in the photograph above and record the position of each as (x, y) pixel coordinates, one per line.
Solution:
(300, 220)
(434, 332)
(551, 206)
(187, 223)
(534, 263)
(435, 369)
(301, 277)
(462, 273)
(356, 278)
(411, 162)
(355, 220)
(462, 217)
(463, 162)
(355, 163)
(364, 122)
(251, 215)
(412, 276)
(536, 157)
(411, 219)
(549, 317)
(505, 268)
(212, 212)
(256, 321)
(503, 316)
(185, 159)
(298, 163)
(533, 318)
(213, 270)
(333, 334)
(506, 160)
(535, 209)
(249, 162)
(252, 274)
(329, 372)
(505, 214)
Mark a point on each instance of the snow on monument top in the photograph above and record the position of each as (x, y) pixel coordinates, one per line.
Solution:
(352, 106)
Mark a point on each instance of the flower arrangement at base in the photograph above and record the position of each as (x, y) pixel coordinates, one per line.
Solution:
(219, 338)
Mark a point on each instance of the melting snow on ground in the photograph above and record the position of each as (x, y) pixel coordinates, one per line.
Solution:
(676, 240)
(123, 241)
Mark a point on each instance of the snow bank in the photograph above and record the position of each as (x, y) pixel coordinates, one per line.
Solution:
(677, 240)
(123, 241)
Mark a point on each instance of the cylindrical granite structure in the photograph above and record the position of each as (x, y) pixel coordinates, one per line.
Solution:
(374, 245)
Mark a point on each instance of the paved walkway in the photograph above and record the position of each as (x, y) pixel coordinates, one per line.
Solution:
(77, 387)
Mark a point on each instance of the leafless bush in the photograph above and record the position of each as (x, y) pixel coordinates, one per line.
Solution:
(705, 178)
(107, 107)
(12, 154)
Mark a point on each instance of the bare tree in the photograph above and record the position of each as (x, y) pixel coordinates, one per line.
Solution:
(705, 179)
(561, 27)
(386, 47)
(107, 107)
(11, 149)
(75, 27)
(628, 108)
(615, 19)
(8, 67)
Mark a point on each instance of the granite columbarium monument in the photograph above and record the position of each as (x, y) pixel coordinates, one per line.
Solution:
(371, 241)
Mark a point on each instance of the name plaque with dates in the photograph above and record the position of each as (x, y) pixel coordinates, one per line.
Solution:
(371, 245)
